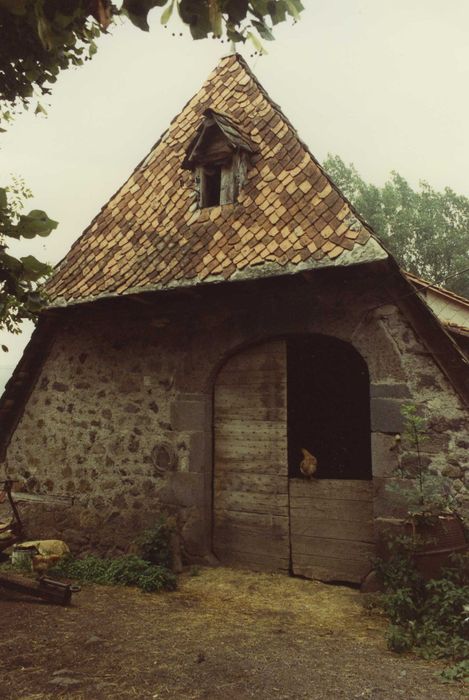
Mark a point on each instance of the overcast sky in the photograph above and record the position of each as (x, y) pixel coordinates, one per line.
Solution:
(384, 85)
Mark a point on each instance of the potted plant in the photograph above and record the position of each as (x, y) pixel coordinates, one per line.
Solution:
(432, 528)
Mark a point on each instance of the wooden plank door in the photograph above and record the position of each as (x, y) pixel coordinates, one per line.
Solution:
(332, 537)
(250, 508)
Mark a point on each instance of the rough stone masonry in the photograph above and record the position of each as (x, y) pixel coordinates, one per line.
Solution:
(120, 419)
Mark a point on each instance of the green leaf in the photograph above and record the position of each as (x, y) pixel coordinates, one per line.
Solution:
(236, 10)
(137, 11)
(215, 17)
(263, 30)
(3, 198)
(294, 8)
(39, 109)
(256, 43)
(34, 302)
(196, 15)
(4, 348)
(8, 262)
(34, 269)
(235, 36)
(278, 11)
(166, 16)
(36, 223)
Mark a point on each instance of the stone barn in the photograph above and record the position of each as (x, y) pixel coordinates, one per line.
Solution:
(226, 315)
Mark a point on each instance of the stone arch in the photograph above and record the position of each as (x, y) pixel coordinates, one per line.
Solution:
(254, 475)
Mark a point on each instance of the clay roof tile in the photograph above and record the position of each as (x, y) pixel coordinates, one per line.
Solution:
(151, 234)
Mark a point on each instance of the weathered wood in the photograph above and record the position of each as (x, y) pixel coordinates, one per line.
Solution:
(337, 549)
(264, 356)
(257, 376)
(331, 509)
(275, 504)
(329, 569)
(275, 523)
(242, 444)
(237, 407)
(258, 483)
(250, 540)
(258, 561)
(247, 463)
(331, 488)
(251, 414)
(20, 497)
(228, 184)
(250, 431)
(332, 531)
(251, 525)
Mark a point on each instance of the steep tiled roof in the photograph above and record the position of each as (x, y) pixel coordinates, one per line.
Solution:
(151, 235)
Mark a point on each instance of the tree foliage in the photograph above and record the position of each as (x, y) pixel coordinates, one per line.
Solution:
(40, 38)
(20, 277)
(427, 231)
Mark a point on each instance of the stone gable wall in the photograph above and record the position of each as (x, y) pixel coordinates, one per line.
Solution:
(120, 418)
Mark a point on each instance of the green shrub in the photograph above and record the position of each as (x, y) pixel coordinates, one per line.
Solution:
(398, 639)
(155, 543)
(456, 672)
(123, 571)
(430, 617)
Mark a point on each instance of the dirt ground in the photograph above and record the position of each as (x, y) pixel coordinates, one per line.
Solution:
(223, 635)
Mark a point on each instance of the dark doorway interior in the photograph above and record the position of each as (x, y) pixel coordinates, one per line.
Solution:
(211, 186)
(328, 407)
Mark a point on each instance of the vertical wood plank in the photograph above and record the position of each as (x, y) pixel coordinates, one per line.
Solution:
(251, 471)
(332, 534)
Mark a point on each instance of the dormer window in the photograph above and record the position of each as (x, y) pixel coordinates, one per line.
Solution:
(218, 156)
(210, 185)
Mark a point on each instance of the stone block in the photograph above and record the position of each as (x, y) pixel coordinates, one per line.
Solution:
(200, 452)
(190, 415)
(386, 415)
(196, 534)
(183, 489)
(390, 391)
(384, 454)
(435, 443)
(385, 502)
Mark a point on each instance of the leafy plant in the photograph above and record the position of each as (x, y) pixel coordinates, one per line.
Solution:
(20, 278)
(41, 38)
(424, 492)
(430, 617)
(123, 571)
(456, 672)
(155, 543)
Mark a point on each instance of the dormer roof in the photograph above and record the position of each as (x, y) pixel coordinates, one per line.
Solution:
(152, 235)
(212, 125)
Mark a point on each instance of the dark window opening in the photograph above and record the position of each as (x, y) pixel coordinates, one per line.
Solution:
(328, 408)
(211, 186)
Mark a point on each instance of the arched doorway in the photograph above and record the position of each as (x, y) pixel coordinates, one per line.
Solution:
(270, 401)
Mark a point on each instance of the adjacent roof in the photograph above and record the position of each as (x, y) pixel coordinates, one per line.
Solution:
(152, 236)
(451, 309)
